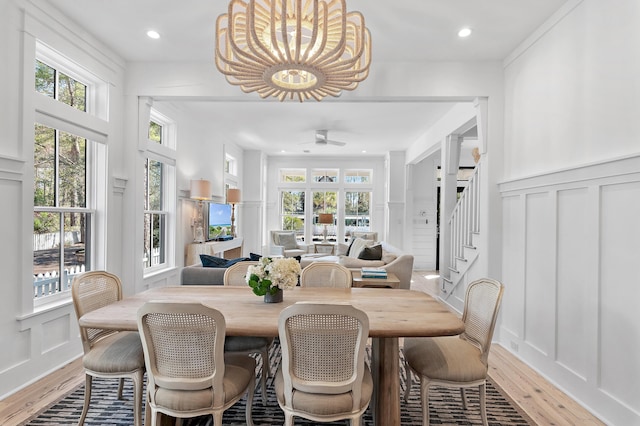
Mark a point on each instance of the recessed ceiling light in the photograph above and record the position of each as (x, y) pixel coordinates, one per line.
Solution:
(153, 34)
(465, 32)
(364, 151)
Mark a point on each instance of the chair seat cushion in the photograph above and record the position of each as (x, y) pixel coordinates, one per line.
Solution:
(118, 353)
(445, 358)
(325, 404)
(242, 343)
(238, 372)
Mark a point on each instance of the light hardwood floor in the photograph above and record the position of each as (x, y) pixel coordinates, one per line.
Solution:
(544, 403)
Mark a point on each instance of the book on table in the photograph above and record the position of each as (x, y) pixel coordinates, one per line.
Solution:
(368, 272)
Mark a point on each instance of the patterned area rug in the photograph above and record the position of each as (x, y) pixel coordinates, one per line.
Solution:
(445, 407)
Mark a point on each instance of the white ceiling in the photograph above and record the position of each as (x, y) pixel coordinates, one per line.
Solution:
(187, 34)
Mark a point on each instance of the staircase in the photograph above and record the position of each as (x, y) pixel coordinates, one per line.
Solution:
(464, 232)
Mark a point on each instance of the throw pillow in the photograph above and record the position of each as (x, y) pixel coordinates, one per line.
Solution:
(349, 248)
(358, 245)
(288, 241)
(236, 260)
(212, 261)
(371, 253)
(254, 257)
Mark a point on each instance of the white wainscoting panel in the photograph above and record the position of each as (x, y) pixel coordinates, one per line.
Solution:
(539, 272)
(574, 279)
(513, 270)
(571, 269)
(55, 333)
(619, 305)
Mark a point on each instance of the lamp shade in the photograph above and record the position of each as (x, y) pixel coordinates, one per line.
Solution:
(325, 218)
(233, 196)
(200, 189)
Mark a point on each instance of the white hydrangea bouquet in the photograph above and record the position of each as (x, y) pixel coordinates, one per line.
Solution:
(269, 275)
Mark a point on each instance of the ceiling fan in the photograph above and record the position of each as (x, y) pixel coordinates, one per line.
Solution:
(322, 138)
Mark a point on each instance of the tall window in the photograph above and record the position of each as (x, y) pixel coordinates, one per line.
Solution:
(292, 212)
(159, 175)
(324, 202)
(64, 206)
(356, 211)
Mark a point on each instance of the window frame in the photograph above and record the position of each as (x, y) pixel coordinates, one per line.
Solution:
(165, 154)
(309, 186)
(61, 117)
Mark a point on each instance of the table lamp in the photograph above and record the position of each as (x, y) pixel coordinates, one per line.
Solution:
(233, 198)
(200, 191)
(325, 219)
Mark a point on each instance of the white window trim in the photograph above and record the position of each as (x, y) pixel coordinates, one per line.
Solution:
(91, 125)
(166, 154)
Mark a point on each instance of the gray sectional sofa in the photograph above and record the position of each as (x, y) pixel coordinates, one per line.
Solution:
(393, 260)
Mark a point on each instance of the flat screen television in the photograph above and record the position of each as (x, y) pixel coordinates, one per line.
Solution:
(219, 220)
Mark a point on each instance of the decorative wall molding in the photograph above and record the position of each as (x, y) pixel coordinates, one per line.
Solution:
(119, 185)
(612, 168)
(557, 17)
(11, 168)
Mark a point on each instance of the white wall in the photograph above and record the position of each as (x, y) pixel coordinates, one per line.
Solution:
(570, 207)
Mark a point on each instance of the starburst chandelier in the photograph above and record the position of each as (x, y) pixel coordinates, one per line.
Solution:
(296, 49)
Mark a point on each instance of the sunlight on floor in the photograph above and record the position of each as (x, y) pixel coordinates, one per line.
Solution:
(431, 276)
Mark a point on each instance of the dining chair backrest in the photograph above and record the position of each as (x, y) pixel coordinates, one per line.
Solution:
(481, 306)
(326, 274)
(90, 291)
(235, 274)
(183, 346)
(323, 347)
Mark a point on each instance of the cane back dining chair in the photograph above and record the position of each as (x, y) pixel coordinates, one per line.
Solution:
(323, 376)
(107, 353)
(457, 361)
(235, 276)
(188, 373)
(326, 274)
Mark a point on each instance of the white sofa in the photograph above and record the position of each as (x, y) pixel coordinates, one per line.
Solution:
(393, 260)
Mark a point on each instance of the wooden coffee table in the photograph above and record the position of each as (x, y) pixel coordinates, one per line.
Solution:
(390, 282)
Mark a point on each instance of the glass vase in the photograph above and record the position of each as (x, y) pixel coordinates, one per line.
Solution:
(274, 298)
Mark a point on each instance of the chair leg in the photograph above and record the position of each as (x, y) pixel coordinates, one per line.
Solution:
(88, 380)
(288, 419)
(249, 407)
(407, 389)
(266, 370)
(463, 396)
(217, 418)
(483, 405)
(120, 387)
(424, 397)
(266, 366)
(138, 379)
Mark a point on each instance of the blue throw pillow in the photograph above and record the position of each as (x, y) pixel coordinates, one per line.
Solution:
(234, 261)
(212, 261)
(255, 257)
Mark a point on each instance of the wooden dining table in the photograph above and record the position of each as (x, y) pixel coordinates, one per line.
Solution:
(392, 313)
